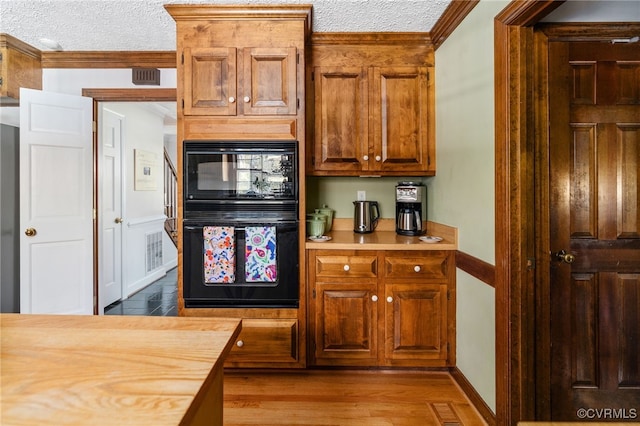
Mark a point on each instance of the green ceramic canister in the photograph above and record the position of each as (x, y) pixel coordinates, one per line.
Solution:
(328, 212)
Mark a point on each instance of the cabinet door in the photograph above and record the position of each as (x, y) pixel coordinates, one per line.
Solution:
(209, 81)
(341, 119)
(345, 324)
(415, 324)
(399, 103)
(269, 81)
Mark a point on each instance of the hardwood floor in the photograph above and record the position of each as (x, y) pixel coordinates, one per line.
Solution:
(363, 398)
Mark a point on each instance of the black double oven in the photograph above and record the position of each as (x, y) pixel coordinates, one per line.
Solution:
(240, 224)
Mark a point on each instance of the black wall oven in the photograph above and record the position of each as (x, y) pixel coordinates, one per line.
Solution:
(240, 226)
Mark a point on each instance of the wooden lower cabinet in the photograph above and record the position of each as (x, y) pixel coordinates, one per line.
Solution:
(266, 343)
(399, 310)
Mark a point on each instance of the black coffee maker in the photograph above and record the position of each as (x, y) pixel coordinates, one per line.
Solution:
(411, 208)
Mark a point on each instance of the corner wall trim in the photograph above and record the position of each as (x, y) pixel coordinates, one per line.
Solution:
(477, 268)
(474, 397)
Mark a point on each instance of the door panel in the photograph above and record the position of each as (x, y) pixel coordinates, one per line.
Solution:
(401, 117)
(110, 216)
(594, 216)
(270, 81)
(56, 203)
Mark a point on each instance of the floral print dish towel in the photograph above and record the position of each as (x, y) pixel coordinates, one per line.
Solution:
(219, 254)
(260, 254)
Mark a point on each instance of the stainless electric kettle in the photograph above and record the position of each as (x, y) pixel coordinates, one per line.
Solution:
(365, 216)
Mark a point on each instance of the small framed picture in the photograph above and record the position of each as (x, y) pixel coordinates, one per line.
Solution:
(146, 170)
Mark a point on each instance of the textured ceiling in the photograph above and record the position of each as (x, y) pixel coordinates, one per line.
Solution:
(145, 24)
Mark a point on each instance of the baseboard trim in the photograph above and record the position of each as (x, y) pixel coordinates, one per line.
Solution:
(475, 398)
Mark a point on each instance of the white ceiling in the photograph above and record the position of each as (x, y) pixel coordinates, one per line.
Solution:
(145, 25)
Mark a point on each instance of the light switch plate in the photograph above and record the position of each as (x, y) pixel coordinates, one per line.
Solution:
(361, 195)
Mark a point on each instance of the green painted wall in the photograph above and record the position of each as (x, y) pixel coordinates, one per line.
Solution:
(462, 193)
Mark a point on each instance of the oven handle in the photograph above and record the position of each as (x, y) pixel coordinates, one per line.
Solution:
(286, 225)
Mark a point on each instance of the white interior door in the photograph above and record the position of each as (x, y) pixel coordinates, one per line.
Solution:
(56, 205)
(110, 206)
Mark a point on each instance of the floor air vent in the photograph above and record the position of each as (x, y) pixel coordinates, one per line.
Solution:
(154, 251)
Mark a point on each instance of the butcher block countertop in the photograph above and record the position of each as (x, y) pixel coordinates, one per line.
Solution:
(113, 370)
(384, 238)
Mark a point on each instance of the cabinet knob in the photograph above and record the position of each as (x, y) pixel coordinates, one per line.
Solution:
(374, 298)
(346, 267)
(378, 158)
(231, 99)
(247, 99)
(365, 158)
(239, 343)
(389, 299)
(416, 268)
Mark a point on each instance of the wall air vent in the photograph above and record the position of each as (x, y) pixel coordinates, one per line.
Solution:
(154, 251)
(146, 76)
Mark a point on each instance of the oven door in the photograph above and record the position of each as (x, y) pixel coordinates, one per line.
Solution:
(238, 280)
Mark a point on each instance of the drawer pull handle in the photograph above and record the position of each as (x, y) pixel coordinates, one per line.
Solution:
(374, 298)
(416, 268)
(389, 299)
(239, 343)
(346, 267)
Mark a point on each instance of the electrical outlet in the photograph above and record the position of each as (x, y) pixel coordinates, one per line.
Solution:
(361, 195)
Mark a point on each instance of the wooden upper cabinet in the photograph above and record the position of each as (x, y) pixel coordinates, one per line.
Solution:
(20, 66)
(240, 61)
(373, 102)
(254, 81)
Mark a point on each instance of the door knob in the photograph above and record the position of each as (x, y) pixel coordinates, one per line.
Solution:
(563, 256)
(118, 220)
(30, 232)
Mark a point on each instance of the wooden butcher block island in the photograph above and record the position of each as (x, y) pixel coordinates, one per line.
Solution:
(107, 370)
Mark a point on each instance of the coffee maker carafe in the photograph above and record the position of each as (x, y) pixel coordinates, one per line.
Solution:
(411, 208)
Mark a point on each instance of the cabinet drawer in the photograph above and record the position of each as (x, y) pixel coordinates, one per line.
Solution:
(342, 265)
(433, 265)
(266, 341)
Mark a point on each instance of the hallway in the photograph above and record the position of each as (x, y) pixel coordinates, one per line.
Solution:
(157, 299)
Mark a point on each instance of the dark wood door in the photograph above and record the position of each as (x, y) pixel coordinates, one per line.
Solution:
(594, 217)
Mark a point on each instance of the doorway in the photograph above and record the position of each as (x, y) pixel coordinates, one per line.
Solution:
(112, 270)
(520, 377)
(589, 232)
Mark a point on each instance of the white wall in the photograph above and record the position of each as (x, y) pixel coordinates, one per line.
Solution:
(72, 81)
(143, 210)
(462, 192)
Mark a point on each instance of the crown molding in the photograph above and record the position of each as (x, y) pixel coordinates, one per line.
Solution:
(453, 15)
(109, 59)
